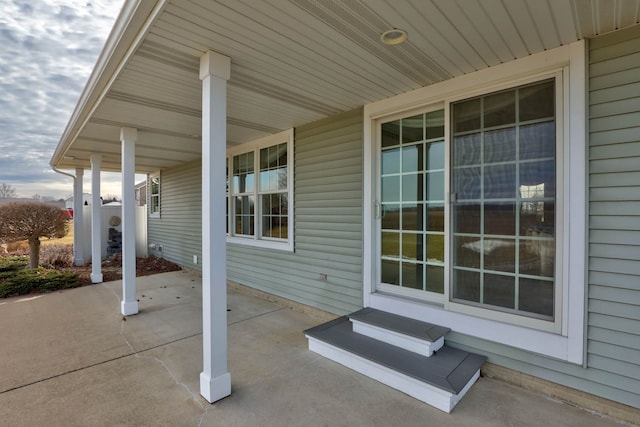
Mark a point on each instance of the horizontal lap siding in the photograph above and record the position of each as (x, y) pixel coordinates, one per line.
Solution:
(179, 227)
(328, 223)
(614, 220)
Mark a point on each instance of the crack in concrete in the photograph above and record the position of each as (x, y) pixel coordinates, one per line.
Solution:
(194, 396)
(204, 414)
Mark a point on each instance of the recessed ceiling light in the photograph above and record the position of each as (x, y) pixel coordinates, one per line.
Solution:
(393, 36)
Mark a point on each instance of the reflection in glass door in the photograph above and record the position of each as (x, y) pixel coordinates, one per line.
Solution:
(503, 216)
(412, 174)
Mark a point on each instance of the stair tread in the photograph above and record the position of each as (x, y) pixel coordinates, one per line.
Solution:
(449, 369)
(400, 324)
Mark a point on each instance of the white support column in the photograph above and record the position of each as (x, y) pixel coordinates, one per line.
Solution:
(215, 380)
(129, 304)
(96, 220)
(78, 225)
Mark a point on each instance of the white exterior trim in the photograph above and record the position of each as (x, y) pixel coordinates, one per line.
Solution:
(130, 29)
(96, 222)
(576, 204)
(267, 141)
(215, 380)
(566, 343)
(155, 214)
(129, 304)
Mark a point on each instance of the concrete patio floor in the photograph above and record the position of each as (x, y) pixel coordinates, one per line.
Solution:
(69, 359)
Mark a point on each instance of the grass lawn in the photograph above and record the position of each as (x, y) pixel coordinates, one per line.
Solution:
(66, 240)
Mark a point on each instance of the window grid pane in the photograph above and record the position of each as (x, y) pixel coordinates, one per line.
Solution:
(154, 192)
(275, 216)
(503, 177)
(243, 174)
(273, 192)
(412, 199)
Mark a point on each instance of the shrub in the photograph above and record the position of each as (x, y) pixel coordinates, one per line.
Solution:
(16, 279)
(10, 264)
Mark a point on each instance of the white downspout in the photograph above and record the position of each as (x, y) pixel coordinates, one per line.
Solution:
(78, 230)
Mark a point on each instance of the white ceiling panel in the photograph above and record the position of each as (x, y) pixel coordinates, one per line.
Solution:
(294, 62)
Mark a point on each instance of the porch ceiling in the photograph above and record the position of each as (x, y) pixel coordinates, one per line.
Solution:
(296, 62)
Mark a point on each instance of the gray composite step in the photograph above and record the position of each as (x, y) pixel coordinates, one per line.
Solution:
(449, 370)
(400, 324)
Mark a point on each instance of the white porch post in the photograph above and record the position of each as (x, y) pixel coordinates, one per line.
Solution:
(129, 304)
(78, 226)
(96, 222)
(215, 380)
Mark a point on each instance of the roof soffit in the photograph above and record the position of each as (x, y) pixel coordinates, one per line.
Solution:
(300, 61)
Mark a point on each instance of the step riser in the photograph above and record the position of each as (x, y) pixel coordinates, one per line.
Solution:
(423, 347)
(426, 393)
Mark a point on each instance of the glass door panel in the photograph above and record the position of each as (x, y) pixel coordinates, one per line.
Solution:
(504, 181)
(412, 175)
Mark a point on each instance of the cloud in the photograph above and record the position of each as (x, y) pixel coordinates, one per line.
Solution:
(47, 51)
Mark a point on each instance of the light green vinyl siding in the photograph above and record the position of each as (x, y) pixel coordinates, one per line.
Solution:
(614, 217)
(327, 223)
(178, 229)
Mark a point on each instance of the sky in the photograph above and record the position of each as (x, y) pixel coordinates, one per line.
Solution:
(47, 51)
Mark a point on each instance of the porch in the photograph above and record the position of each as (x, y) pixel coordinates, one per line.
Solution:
(69, 359)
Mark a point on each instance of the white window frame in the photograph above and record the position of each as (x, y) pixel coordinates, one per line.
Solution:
(565, 339)
(150, 195)
(257, 240)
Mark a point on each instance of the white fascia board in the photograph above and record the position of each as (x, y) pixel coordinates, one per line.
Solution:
(129, 30)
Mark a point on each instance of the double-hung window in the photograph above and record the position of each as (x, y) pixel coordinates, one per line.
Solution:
(154, 195)
(477, 203)
(260, 196)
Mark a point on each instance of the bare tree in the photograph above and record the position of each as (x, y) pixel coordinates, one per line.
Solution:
(7, 191)
(29, 221)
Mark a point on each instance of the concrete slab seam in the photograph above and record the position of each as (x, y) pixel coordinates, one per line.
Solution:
(93, 365)
(255, 317)
(104, 285)
(62, 374)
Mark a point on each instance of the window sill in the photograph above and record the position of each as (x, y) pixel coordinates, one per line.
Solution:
(265, 244)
